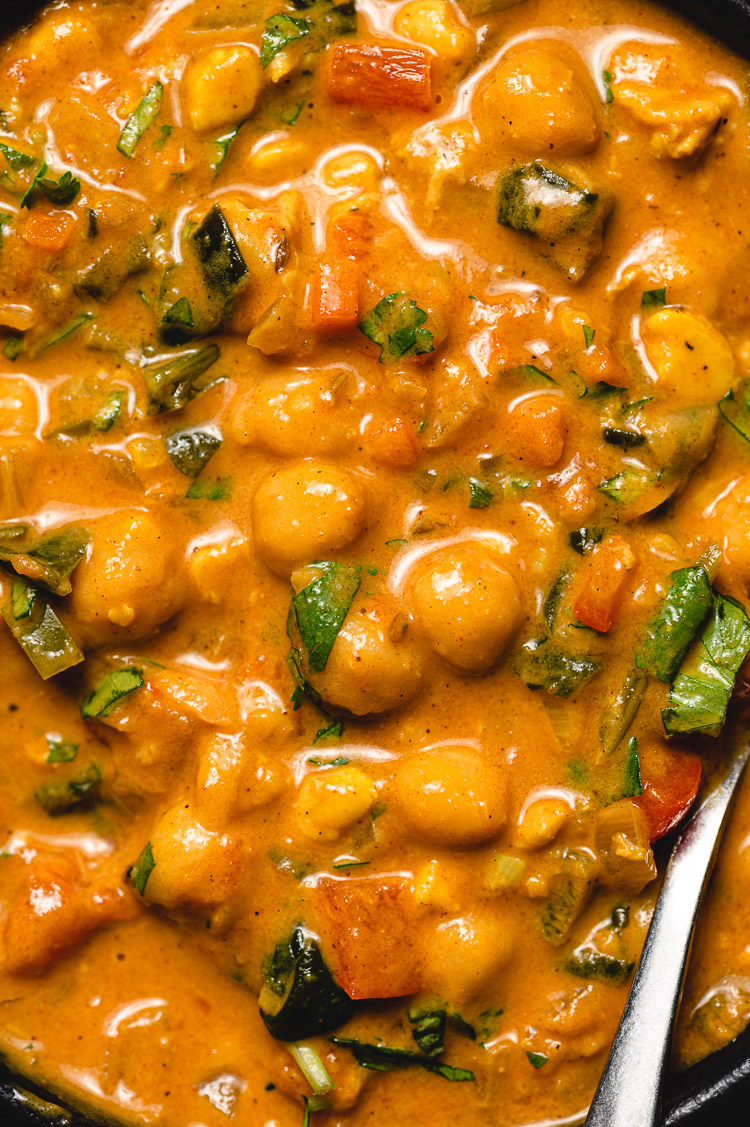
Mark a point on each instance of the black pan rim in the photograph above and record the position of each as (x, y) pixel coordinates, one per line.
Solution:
(702, 1095)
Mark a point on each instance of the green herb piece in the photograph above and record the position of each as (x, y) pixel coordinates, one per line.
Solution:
(544, 665)
(62, 191)
(302, 688)
(218, 490)
(289, 117)
(117, 685)
(172, 384)
(395, 324)
(654, 299)
(72, 327)
(381, 1058)
(429, 1030)
(47, 560)
(106, 416)
(179, 314)
(621, 710)
(40, 634)
(339, 761)
(312, 1068)
(735, 409)
(144, 298)
(13, 348)
(619, 436)
(26, 197)
(140, 119)
(321, 607)
(631, 782)
(61, 795)
(668, 635)
(621, 917)
(480, 494)
(142, 869)
(223, 145)
(700, 693)
(332, 731)
(532, 372)
(164, 134)
(536, 1060)
(60, 750)
(553, 598)
(588, 335)
(609, 94)
(22, 599)
(570, 889)
(627, 486)
(587, 963)
(350, 864)
(583, 540)
(15, 158)
(219, 256)
(300, 996)
(191, 450)
(306, 1112)
(279, 32)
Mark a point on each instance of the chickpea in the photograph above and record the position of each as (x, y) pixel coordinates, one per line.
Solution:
(130, 581)
(374, 665)
(541, 822)
(193, 867)
(232, 780)
(332, 801)
(303, 417)
(538, 100)
(451, 796)
(692, 360)
(466, 954)
(213, 566)
(62, 40)
(354, 169)
(18, 406)
(436, 888)
(222, 86)
(435, 24)
(466, 604)
(305, 512)
(535, 429)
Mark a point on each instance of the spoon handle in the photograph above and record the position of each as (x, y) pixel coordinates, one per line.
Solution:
(629, 1092)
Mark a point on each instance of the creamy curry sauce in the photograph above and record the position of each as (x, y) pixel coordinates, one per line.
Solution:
(369, 522)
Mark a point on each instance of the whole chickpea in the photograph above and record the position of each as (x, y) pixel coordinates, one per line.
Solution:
(466, 604)
(304, 512)
(222, 86)
(452, 796)
(332, 801)
(466, 954)
(193, 867)
(435, 24)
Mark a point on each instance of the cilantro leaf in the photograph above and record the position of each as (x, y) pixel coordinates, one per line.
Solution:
(480, 494)
(62, 795)
(60, 750)
(395, 324)
(279, 32)
(654, 299)
(142, 869)
(536, 1060)
(588, 336)
(735, 409)
(382, 1058)
(632, 785)
(321, 607)
(669, 633)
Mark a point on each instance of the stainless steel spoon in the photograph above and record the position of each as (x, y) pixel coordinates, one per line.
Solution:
(629, 1092)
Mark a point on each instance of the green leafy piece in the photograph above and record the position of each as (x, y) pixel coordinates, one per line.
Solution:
(68, 330)
(26, 197)
(545, 665)
(585, 962)
(117, 685)
(583, 540)
(631, 780)
(654, 299)
(350, 863)
(700, 693)
(321, 607)
(279, 32)
(668, 635)
(429, 1030)
(536, 1060)
(15, 158)
(40, 634)
(221, 259)
(302, 688)
(191, 450)
(480, 494)
(569, 889)
(142, 869)
(735, 409)
(628, 486)
(62, 795)
(395, 324)
(609, 94)
(22, 599)
(140, 119)
(106, 416)
(218, 490)
(62, 191)
(164, 134)
(533, 372)
(381, 1058)
(620, 436)
(47, 560)
(60, 750)
(332, 731)
(289, 117)
(300, 996)
(179, 314)
(172, 383)
(222, 146)
(620, 917)
(588, 335)
(13, 348)
(553, 598)
(621, 710)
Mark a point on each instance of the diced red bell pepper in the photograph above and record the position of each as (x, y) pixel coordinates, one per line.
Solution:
(397, 77)
(601, 581)
(670, 785)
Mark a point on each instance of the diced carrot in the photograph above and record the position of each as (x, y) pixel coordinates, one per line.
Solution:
(53, 915)
(601, 581)
(335, 296)
(350, 234)
(670, 785)
(397, 77)
(367, 928)
(49, 232)
(393, 443)
(536, 431)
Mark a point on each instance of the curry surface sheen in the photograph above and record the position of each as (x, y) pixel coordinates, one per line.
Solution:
(375, 545)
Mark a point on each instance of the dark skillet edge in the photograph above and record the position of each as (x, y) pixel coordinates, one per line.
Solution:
(713, 1088)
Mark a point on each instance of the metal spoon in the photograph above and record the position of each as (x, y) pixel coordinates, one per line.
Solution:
(629, 1092)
